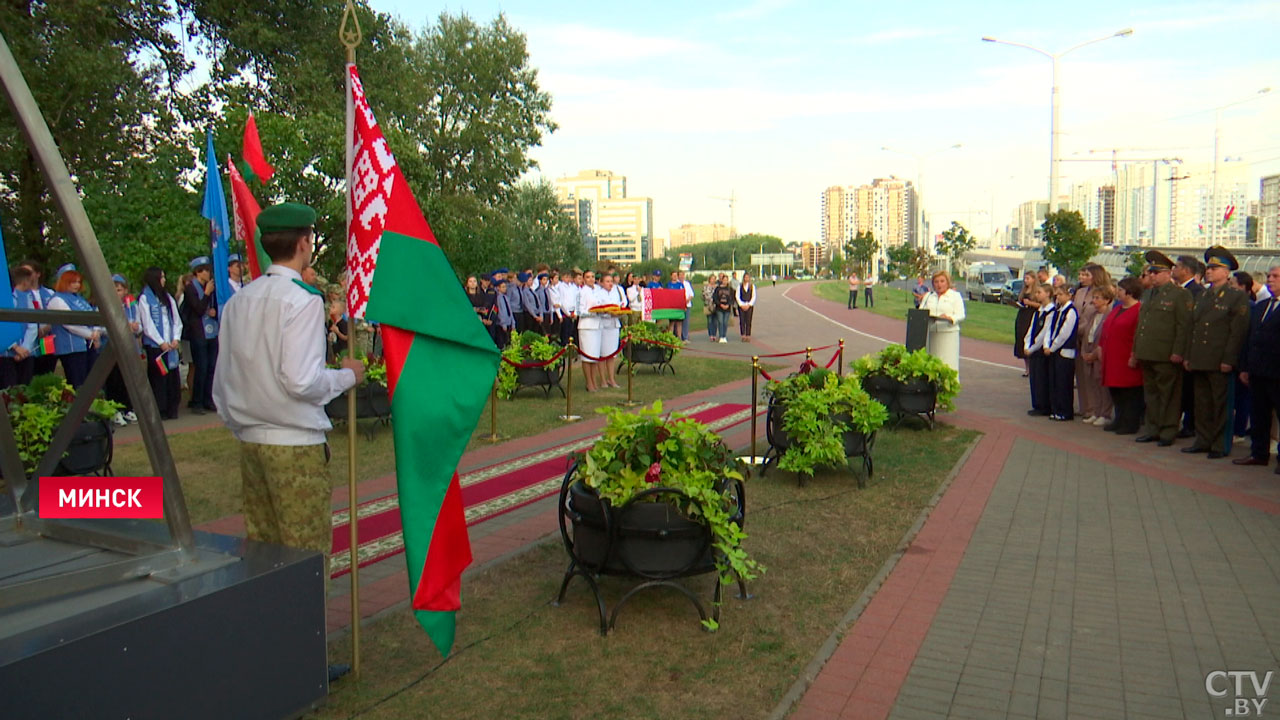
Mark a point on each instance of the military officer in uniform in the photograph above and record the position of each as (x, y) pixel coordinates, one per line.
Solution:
(1164, 325)
(1219, 325)
(271, 385)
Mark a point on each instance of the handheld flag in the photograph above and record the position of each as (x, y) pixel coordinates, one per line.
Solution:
(1229, 215)
(252, 151)
(663, 304)
(45, 346)
(10, 332)
(440, 362)
(244, 210)
(215, 211)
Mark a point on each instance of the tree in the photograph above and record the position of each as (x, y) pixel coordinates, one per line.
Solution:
(540, 230)
(724, 254)
(1136, 263)
(956, 241)
(1068, 244)
(837, 265)
(861, 252)
(908, 262)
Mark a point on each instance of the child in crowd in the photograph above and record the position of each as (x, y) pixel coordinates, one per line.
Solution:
(1061, 351)
(1033, 350)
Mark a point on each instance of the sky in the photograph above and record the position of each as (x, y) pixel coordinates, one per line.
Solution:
(774, 100)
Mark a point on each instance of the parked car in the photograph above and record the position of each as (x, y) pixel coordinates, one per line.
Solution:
(1010, 292)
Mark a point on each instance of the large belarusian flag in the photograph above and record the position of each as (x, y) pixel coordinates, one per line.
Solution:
(662, 304)
(440, 362)
(244, 210)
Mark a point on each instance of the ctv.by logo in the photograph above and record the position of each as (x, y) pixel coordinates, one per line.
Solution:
(1219, 684)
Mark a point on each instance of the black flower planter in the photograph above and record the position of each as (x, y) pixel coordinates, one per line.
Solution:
(90, 451)
(916, 397)
(373, 402)
(649, 539)
(657, 357)
(856, 443)
(539, 377)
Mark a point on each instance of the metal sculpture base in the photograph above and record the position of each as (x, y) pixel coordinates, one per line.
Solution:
(238, 630)
(609, 620)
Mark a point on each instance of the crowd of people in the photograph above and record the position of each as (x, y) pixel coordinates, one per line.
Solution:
(1187, 349)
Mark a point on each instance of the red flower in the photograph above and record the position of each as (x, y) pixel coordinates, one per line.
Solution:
(654, 473)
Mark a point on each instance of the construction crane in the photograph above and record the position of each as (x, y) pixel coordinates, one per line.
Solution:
(733, 229)
(1115, 151)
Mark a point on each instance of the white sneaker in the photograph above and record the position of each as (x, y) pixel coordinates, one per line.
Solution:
(1088, 419)
(1100, 421)
(724, 340)
(118, 420)
(131, 417)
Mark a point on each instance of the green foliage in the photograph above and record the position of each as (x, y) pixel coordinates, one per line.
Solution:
(36, 409)
(643, 331)
(1068, 244)
(375, 369)
(956, 241)
(526, 347)
(543, 232)
(894, 361)
(1136, 264)
(861, 251)
(906, 262)
(726, 254)
(819, 407)
(644, 450)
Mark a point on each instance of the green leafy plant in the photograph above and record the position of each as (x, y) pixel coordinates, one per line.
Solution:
(895, 362)
(526, 347)
(643, 333)
(37, 408)
(642, 450)
(819, 408)
(375, 368)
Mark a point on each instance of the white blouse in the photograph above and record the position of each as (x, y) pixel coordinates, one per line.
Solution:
(949, 303)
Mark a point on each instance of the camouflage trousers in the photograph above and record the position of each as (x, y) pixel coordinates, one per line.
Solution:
(286, 496)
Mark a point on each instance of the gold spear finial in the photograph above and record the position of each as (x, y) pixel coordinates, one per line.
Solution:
(349, 31)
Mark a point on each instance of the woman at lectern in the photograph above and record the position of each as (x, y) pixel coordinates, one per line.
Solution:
(946, 311)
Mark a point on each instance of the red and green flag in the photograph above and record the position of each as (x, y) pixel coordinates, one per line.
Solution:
(244, 216)
(440, 362)
(1229, 215)
(254, 158)
(663, 304)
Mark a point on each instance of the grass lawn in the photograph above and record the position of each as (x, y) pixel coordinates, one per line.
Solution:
(983, 321)
(208, 460)
(517, 656)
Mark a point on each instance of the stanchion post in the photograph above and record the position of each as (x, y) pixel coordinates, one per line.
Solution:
(808, 356)
(755, 400)
(569, 352)
(631, 368)
(493, 414)
(840, 360)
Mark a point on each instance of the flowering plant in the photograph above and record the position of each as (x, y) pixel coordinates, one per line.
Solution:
(645, 450)
(526, 347)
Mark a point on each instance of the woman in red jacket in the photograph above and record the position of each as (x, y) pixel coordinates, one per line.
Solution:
(1120, 373)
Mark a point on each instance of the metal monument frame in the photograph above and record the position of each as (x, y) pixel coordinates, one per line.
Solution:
(20, 522)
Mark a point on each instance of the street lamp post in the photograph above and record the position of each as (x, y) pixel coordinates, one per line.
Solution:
(1054, 103)
(920, 158)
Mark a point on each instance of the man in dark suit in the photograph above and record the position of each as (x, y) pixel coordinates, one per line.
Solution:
(1260, 370)
(1185, 273)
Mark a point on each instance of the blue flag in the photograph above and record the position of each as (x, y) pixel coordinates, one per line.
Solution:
(215, 210)
(10, 332)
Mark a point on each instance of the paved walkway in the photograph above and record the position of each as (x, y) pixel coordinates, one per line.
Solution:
(1066, 572)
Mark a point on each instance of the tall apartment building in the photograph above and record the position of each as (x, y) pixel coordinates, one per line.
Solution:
(1030, 222)
(613, 226)
(1269, 212)
(886, 208)
(695, 234)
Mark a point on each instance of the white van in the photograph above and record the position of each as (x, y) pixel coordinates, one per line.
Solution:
(985, 281)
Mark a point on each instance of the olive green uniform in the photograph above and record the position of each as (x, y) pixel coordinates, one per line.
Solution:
(1219, 325)
(1164, 325)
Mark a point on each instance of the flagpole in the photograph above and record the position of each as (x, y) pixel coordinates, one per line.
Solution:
(351, 37)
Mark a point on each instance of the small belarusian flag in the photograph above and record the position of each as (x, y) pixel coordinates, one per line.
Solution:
(162, 365)
(45, 346)
(440, 362)
(1229, 215)
(663, 304)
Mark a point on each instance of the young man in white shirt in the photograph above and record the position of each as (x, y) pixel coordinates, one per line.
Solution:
(271, 386)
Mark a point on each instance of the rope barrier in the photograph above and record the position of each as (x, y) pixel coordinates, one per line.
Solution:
(544, 363)
(610, 356)
(765, 374)
(833, 359)
(687, 348)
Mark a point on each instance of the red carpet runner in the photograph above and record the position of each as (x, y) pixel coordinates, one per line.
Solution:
(488, 492)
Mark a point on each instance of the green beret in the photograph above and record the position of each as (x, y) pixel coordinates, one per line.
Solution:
(286, 216)
(1222, 257)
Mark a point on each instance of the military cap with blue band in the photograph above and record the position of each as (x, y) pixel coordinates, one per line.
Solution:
(1221, 257)
(233, 257)
(65, 268)
(119, 279)
(198, 262)
(286, 216)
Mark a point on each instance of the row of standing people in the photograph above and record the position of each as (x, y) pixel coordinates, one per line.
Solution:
(159, 326)
(722, 298)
